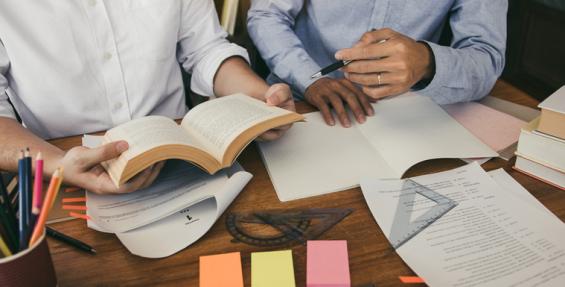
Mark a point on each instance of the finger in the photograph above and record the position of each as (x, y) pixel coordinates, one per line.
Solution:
(371, 66)
(278, 94)
(136, 182)
(337, 104)
(362, 97)
(325, 110)
(372, 79)
(351, 100)
(271, 135)
(93, 156)
(366, 52)
(154, 174)
(375, 36)
(383, 91)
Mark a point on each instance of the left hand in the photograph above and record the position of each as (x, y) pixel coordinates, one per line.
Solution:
(387, 68)
(278, 95)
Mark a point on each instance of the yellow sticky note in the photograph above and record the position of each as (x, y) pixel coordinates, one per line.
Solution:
(221, 270)
(272, 269)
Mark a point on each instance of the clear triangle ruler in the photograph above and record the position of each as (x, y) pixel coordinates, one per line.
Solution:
(403, 228)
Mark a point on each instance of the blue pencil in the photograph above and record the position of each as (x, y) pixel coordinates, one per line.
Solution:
(22, 199)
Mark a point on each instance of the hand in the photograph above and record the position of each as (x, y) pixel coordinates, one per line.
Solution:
(327, 93)
(82, 168)
(278, 95)
(387, 68)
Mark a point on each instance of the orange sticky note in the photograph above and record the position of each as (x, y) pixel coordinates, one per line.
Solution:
(221, 270)
(411, 279)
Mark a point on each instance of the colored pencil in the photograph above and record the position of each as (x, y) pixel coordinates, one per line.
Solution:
(37, 186)
(9, 215)
(29, 188)
(22, 199)
(4, 248)
(69, 240)
(52, 191)
(9, 233)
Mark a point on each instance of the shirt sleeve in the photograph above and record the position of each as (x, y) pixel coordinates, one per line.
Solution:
(468, 69)
(6, 109)
(202, 45)
(270, 24)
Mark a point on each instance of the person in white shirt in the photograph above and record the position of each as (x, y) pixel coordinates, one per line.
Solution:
(74, 67)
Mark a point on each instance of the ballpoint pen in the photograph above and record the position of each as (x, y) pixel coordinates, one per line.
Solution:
(336, 66)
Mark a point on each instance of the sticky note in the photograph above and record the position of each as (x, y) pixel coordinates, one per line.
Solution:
(272, 269)
(327, 264)
(410, 279)
(221, 270)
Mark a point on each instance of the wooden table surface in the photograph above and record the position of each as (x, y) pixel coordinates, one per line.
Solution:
(114, 265)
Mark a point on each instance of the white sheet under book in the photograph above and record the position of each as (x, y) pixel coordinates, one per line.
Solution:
(497, 235)
(178, 209)
(314, 158)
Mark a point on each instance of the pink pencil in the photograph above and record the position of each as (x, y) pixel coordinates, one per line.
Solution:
(38, 186)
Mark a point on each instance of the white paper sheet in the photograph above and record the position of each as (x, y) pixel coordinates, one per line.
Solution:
(178, 209)
(492, 238)
(314, 158)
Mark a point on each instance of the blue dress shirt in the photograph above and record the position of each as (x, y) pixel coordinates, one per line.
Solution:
(299, 37)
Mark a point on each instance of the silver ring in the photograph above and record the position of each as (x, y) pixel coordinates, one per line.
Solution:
(379, 78)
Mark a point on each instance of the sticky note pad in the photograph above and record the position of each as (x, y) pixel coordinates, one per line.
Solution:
(272, 269)
(221, 270)
(327, 264)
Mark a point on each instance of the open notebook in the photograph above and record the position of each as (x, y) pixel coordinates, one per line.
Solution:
(314, 158)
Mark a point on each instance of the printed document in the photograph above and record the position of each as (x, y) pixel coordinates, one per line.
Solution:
(496, 236)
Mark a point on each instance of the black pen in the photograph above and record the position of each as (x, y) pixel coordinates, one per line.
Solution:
(69, 240)
(336, 66)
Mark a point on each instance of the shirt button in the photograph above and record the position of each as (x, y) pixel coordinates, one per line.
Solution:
(117, 106)
(107, 56)
(92, 2)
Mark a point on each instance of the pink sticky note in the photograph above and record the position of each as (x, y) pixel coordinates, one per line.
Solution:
(327, 264)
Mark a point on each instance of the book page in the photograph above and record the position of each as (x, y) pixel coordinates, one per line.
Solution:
(491, 238)
(220, 121)
(149, 132)
(314, 159)
(409, 129)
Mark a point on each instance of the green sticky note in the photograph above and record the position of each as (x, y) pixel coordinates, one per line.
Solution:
(272, 269)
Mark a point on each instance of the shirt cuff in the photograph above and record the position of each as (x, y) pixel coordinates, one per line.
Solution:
(440, 88)
(302, 74)
(202, 81)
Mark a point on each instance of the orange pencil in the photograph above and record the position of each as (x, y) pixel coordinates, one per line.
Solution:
(54, 186)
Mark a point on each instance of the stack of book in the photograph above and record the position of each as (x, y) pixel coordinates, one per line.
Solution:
(541, 147)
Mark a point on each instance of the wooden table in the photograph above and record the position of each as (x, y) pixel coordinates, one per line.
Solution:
(114, 265)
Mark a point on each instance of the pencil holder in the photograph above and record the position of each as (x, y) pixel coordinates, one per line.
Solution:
(30, 267)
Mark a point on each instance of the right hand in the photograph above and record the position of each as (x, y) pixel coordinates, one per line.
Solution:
(82, 169)
(328, 93)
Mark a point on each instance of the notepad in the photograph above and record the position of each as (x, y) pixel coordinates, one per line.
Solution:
(314, 158)
(327, 264)
(272, 269)
(221, 270)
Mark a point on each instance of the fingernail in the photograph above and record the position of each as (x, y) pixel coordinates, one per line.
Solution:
(361, 119)
(346, 74)
(371, 112)
(122, 146)
(347, 124)
(338, 55)
(332, 123)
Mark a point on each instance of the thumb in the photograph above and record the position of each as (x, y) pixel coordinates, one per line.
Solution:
(277, 94)
(105, 152)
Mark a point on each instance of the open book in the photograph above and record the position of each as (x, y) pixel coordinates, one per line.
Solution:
(211, 135)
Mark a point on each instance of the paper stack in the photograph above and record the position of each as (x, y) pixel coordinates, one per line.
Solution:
(497, 235)
(541, 147)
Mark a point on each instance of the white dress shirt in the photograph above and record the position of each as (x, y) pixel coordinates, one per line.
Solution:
(76, 66)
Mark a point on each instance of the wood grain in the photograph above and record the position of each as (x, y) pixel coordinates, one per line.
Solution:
(369, 262)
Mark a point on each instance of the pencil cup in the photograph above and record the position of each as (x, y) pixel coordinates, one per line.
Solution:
(31, 267)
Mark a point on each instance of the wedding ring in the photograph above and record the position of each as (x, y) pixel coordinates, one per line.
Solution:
(379, 79)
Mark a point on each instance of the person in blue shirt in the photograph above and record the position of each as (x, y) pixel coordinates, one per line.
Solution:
(297, 38)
